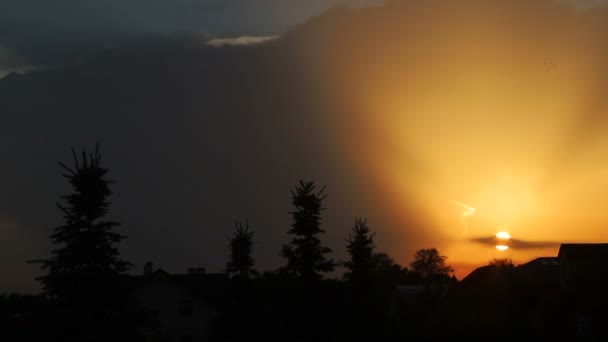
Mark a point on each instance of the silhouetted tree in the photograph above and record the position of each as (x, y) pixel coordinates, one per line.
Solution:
(384, 262)
(388, 273)
(241, 246)
(386, 268)
(430, 264)
(360, 247)
(306, 256)
(360, 274)
(84, 270)
(235, 323)
(502, 264)
(19, 313)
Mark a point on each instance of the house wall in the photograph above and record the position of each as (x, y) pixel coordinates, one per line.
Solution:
(165, 298)
(566, 268)
(584, 272)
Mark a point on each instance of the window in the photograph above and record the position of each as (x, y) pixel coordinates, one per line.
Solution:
(186, 307)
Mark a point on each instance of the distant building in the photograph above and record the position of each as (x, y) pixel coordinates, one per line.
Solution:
(183, 305)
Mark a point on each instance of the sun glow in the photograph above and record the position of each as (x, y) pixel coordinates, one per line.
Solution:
(445, 120)
(503, 235)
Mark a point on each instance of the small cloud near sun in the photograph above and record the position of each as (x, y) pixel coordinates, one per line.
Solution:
(240, 41)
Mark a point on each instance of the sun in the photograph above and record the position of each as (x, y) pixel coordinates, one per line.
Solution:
(503, 235)
(502, 239)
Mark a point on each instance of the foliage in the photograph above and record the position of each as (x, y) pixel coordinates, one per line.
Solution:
(388, 273)
(306, 256)
(505, 264)
(360, 247)
(385, 264)
(429, 264)
(241, 246)
(85, 268)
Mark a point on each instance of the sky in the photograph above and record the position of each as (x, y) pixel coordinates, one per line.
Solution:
(210, 112)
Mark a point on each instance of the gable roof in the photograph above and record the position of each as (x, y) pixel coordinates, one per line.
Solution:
(584, 250)
(477, 274)
(542, 262)
(541, 273)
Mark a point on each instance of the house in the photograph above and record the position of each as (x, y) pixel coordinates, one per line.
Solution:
(540, 275)
(524, 298)
(537, 292)
(583, 275)
(183, 305)
(583, 264)
(406, 296)
(412, 308)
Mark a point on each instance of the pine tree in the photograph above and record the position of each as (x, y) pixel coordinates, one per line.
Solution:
(83, 270)
(360, 247)
(241, 262)
(306, 256)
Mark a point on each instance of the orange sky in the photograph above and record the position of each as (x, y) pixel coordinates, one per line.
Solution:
(497, 105)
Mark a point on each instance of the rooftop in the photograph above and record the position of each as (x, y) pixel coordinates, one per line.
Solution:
(543, 261)
(584, 250)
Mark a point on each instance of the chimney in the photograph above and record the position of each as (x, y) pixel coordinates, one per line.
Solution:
(196, 270)
(148, 268)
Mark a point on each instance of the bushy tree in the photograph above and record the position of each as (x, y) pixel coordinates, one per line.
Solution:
(241, 262)
(431, 265)
(84, 269)
(502, 264)
(306, 256)
(360, 247)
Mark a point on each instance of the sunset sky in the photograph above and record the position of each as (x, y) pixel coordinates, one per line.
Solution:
(406, 110)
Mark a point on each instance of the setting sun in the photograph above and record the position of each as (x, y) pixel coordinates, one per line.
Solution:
(503, 235)
(502, 248)
(514, 134)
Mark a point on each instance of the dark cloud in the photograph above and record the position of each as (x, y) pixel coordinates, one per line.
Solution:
(53, 33)
(164, 15)
(516, 243)
(10, 62)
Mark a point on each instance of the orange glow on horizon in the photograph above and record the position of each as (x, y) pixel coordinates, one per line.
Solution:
(469, 110)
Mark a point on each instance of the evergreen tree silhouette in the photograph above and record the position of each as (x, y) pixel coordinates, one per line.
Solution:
(306, 256)
(241, 262)
(83, 271)
(360, 274)
(360, 247)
